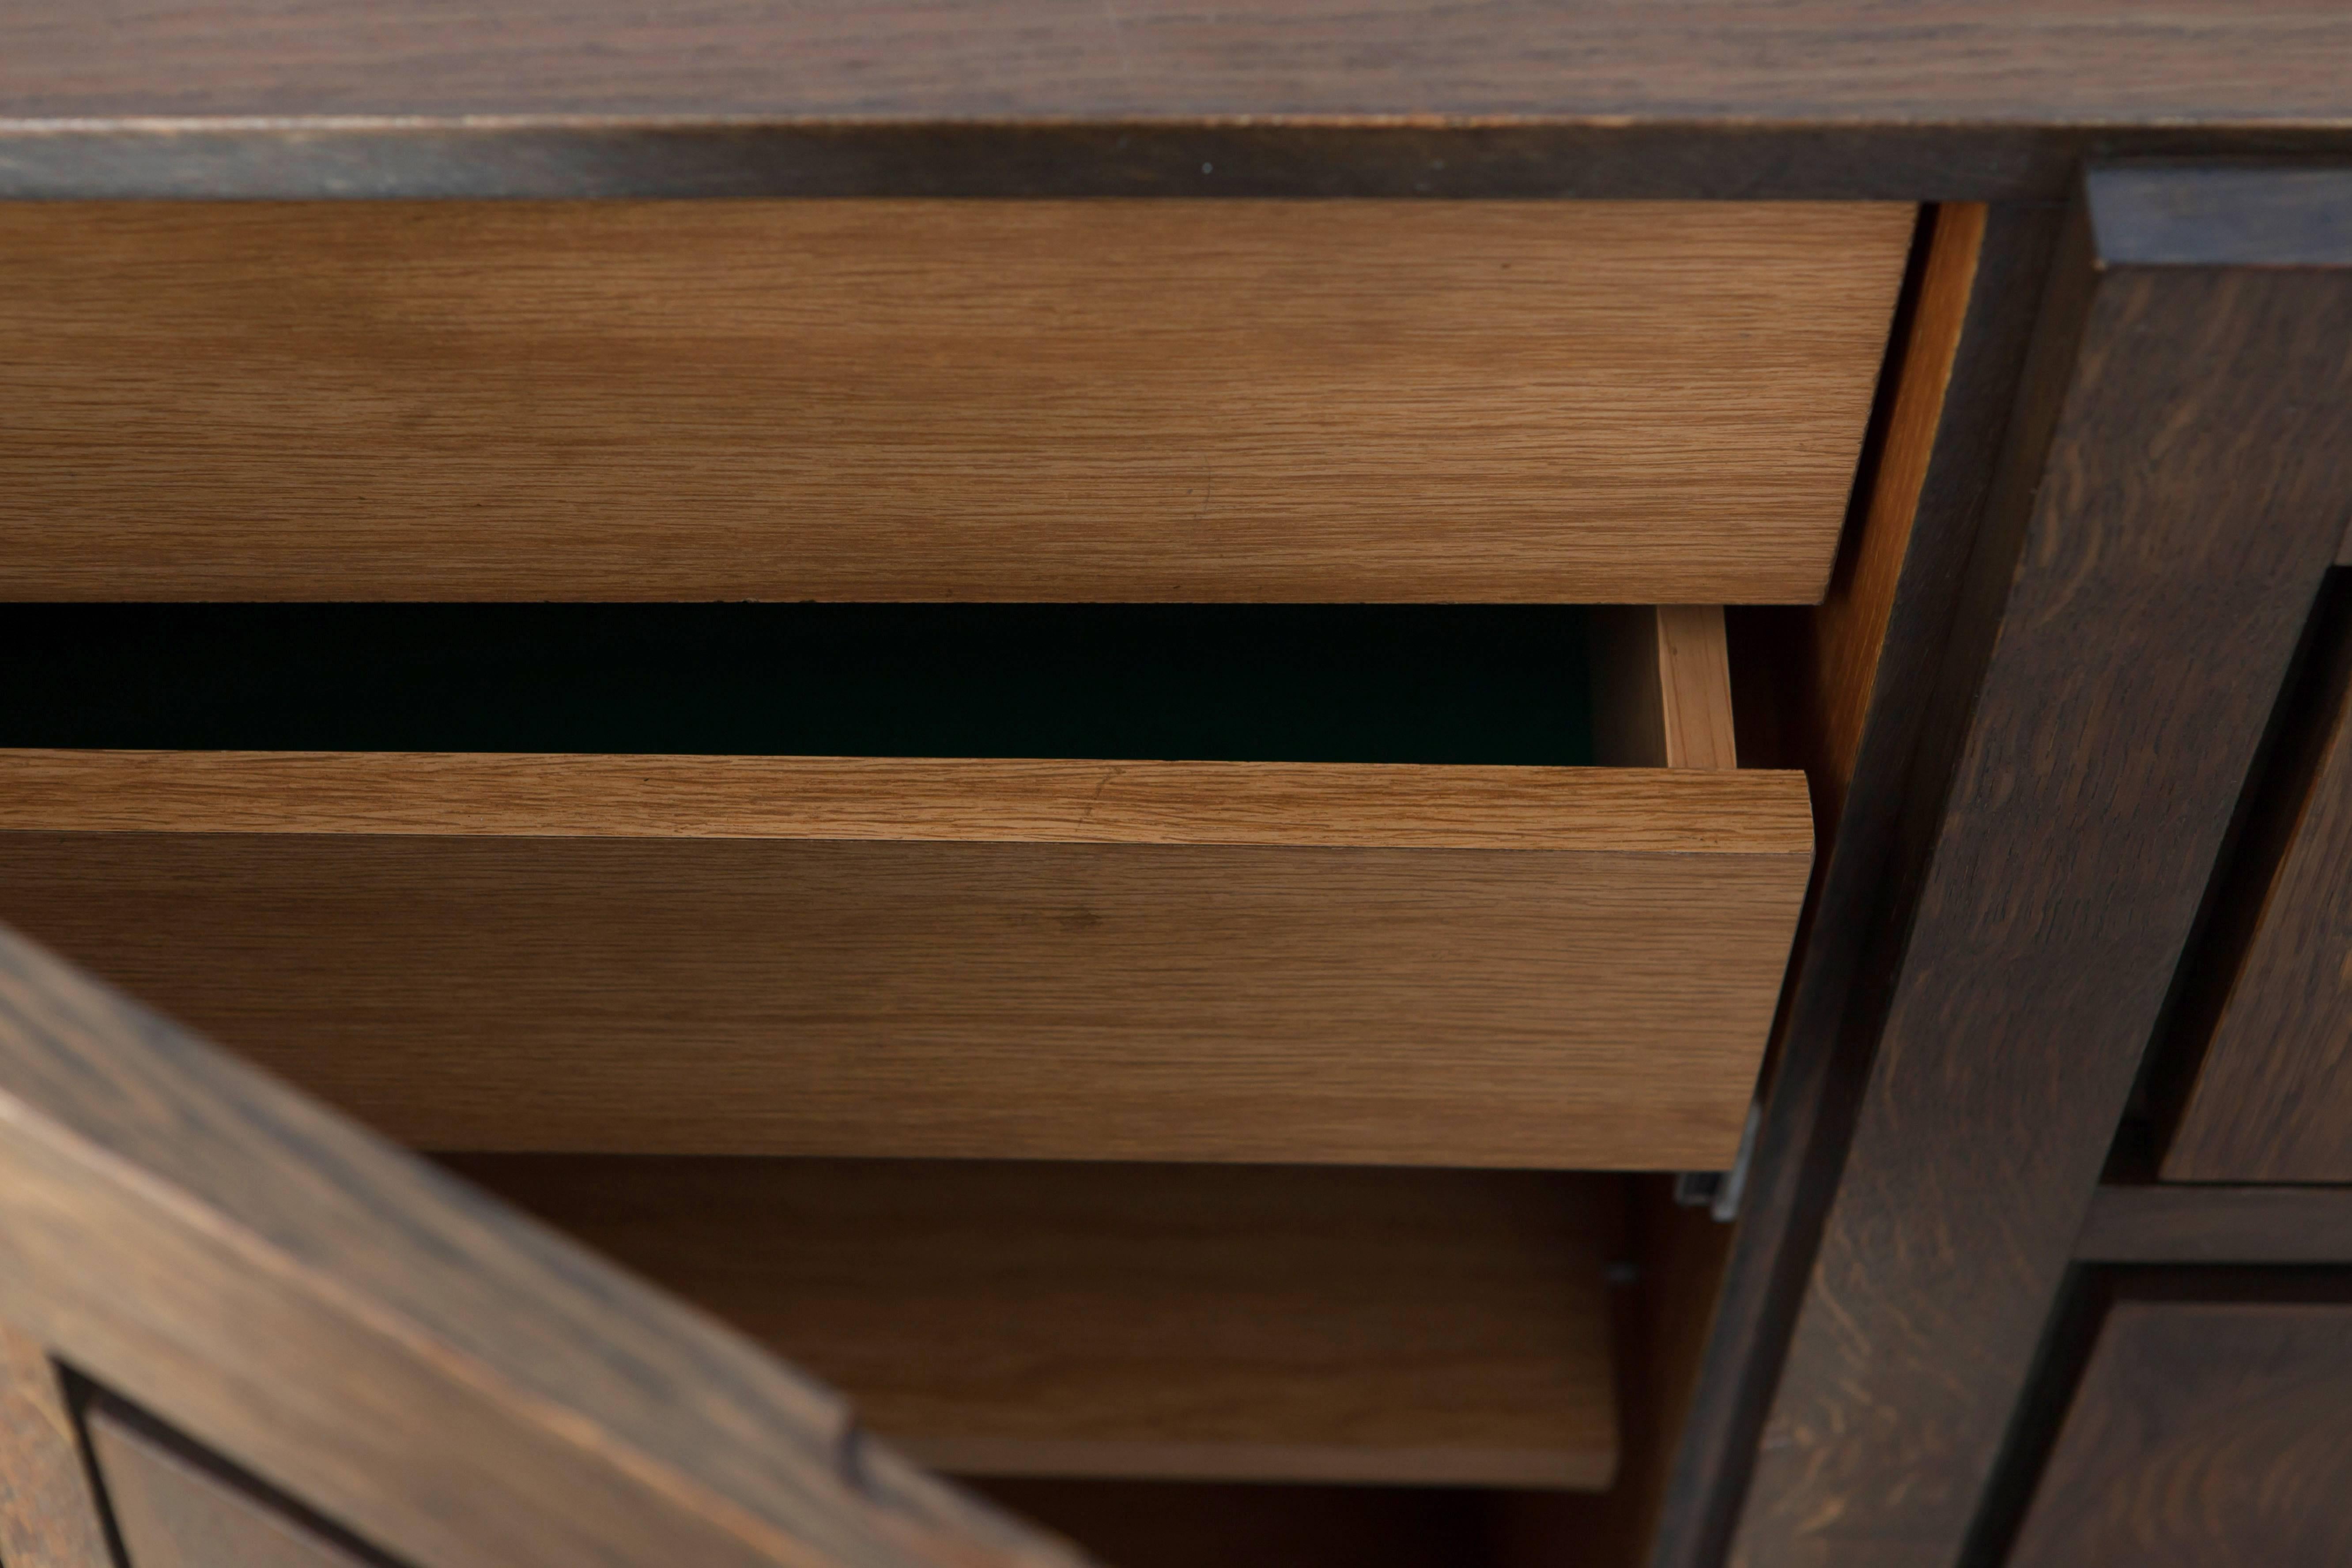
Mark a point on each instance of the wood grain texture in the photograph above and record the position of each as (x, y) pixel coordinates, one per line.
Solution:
(1874, 850)
(2203, 1433)
(1694, 680)
(1663, 687)
(2153, 1222)
(1263, 1323)
(2270, 1096)
(2214, 215)
(868, 970)
(2063, 61)
(400, 1355)
(483, 795)
(173, 1512)
(48, 1518)
(2173, 495)
(1847, 632)
(878, 400)
(1127, 1001)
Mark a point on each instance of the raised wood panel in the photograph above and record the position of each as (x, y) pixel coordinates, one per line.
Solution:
(1261, 1323)
(48, 1517)
(792, 956)
(396, 1352)
(172, 1511)
(944, 400)
(2203, 1434)
(2270, 1097)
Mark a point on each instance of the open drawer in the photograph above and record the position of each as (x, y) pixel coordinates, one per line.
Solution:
(1330, 401)
(1412, 962)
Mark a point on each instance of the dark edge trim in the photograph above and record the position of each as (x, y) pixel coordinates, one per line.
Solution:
(2212, 214)
(553, 158)
(2184, 1222)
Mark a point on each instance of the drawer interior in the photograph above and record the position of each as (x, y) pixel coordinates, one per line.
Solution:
(1308, 683)
(1470, 962)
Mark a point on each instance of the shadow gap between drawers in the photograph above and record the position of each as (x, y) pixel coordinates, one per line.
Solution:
(1355, 683)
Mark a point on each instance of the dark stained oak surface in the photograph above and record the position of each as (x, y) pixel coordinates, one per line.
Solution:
(174, 1511)
(2215, 216)
(48, 1518)
(2268, 1017)
(2174, 493)
(2068, 61)
(422, 1367)
(1935, 98)
(2174, 1222)
(2203, 1434)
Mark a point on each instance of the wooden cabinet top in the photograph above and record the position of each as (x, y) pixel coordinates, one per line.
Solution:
(2032, 61)
(1936, 99)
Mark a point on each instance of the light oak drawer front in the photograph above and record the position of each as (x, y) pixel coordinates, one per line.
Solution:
(896, 400)
(1379, 963)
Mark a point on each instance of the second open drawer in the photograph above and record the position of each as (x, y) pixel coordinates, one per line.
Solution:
(1360, 962)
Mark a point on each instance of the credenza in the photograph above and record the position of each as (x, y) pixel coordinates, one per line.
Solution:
(966, 783)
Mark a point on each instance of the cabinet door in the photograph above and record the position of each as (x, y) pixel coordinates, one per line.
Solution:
(2204, 1433)
(402, 1369)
